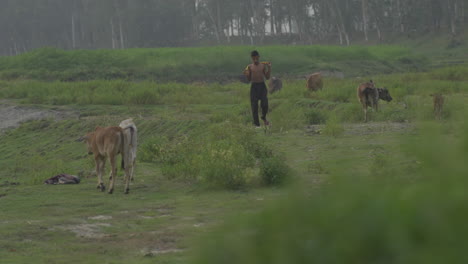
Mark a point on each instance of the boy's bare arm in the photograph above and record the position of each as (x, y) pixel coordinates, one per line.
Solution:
(248, 73)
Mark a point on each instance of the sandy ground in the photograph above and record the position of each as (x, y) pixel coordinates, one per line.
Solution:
(11, 116)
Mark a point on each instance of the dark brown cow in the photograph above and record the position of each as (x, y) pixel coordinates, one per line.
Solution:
(275, 85)
(107, 142)
(369, 95)
(438, 105)
(314, 82)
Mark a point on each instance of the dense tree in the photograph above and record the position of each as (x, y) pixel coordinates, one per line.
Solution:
(90, 24)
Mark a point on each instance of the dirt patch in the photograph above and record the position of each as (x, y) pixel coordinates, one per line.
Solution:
(100, 217)
(155, 252)
(13, 115)
(367, 128)
(87, 230)
(159, 242)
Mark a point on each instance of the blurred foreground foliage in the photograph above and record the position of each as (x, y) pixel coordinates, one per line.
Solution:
(418, 217)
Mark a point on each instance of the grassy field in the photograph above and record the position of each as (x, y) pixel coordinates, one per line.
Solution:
(220, 63)
(211, 189)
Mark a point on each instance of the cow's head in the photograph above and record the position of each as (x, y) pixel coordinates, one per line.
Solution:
(88, 140)
(384, 94)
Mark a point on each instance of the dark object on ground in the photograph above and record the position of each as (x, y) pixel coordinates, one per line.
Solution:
(63, 179)
(275, 85)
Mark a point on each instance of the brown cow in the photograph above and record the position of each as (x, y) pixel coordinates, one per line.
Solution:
(314, 82)
(107, 142)
(438, 105)
(369, 95)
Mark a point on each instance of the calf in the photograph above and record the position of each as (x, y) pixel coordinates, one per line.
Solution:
(438, 105)
(314, 82)
(369, 95)
(107, 143)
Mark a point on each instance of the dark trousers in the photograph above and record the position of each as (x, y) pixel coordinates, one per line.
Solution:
(258, 91)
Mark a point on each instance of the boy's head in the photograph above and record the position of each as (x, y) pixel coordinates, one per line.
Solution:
(255, 56)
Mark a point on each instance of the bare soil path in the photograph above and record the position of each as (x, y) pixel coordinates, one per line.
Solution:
(11, 115)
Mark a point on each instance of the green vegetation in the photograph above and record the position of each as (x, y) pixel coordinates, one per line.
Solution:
(411, 212)
(293, 107)
(222, 155)
(319, 186)
(214, 63)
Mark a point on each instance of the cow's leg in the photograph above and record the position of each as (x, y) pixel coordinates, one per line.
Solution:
(113, 173)
(365, 114)
(364, 109)
(132, 170)
(128, 177)
(100, 165)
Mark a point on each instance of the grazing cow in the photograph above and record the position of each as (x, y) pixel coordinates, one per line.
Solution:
(314, 82)
(275, 85)
(369, 95)
(130, 146)
(107, 142)
(438, 105)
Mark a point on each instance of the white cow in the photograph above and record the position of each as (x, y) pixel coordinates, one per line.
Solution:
(130, 145)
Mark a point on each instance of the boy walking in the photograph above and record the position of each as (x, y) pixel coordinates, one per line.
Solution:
(257, 73)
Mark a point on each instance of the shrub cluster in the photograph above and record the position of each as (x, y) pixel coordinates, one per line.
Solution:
(224, 155)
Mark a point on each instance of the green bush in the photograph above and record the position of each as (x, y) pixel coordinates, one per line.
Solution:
(274, 171)
(333, 127)
(154, 149)
(314, 117)
(224, 155)
(224, 164)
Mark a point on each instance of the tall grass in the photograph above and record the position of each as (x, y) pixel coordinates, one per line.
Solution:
(116, 93)
(185, 64)
(292, 107)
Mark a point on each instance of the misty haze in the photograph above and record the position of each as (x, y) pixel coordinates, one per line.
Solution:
(233, 131)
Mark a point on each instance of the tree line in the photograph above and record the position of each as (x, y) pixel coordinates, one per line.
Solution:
(116, 24)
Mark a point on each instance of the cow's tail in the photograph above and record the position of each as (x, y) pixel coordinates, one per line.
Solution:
(122, 149)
